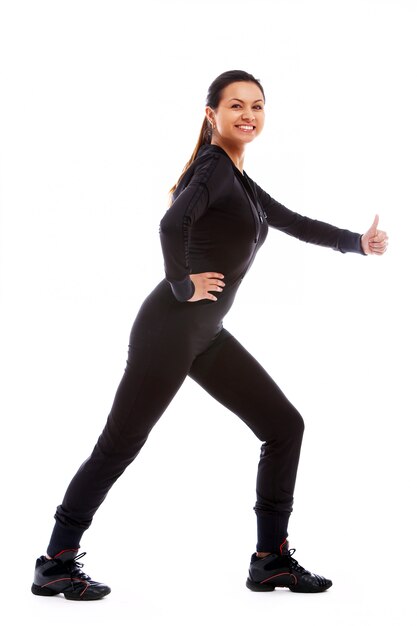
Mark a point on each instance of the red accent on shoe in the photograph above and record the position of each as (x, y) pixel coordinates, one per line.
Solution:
(282, 546)
(277, 576)
(59, 580)
(66, 550)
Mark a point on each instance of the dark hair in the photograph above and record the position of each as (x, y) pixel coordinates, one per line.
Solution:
(214, 95)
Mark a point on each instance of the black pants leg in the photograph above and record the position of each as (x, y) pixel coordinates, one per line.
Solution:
(157, 365)
(235, 378)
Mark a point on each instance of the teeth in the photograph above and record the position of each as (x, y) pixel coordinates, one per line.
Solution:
(246, 127)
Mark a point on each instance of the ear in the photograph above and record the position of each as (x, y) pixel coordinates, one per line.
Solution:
(209, 114)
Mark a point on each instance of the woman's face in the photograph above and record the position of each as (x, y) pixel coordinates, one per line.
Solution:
(240, 116)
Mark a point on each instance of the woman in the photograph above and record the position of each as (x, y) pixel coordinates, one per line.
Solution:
(218, 220)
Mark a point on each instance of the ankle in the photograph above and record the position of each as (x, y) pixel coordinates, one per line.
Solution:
(262, 555)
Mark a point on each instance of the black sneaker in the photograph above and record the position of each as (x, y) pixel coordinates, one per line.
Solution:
(281, 570)
(63, 574)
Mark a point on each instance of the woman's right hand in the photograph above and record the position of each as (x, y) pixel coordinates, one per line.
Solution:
(204, 283)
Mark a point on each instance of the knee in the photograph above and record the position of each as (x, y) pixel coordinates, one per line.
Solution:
(288, 426)
(298, 423)
(294, 425)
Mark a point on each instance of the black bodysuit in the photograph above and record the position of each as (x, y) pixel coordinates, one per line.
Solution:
(217, 222)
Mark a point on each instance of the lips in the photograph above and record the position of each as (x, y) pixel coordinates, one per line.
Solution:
(245, 127)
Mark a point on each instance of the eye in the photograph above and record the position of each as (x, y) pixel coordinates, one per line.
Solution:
(259, 107)
(235, 105)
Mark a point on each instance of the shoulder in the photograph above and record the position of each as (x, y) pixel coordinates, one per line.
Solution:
(212, 167)
(211, 161)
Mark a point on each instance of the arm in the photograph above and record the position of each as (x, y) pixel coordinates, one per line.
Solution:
(198, 189)
(307, 229)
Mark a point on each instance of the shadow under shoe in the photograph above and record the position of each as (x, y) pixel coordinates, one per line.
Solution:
(282, 570)
(63, 574)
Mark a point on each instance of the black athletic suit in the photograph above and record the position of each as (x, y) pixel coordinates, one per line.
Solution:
(217, 222)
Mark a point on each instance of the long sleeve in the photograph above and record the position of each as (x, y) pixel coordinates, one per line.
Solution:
(199, 187)
(307, 229)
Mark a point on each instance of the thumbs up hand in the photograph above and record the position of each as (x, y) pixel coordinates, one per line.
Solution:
(374, 241)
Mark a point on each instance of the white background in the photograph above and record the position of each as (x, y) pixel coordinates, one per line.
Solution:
(101, 104)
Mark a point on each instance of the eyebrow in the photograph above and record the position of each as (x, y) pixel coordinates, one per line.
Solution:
(259, 100)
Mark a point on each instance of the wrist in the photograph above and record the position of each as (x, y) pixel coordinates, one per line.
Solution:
(183, 289)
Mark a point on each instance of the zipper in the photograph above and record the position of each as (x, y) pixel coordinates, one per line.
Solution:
(256, 214)
(261, 213)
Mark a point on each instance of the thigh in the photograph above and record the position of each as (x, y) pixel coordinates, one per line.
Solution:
(231, 375)
(149, 383)
(159, 357)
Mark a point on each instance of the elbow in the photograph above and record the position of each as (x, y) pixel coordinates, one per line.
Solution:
(169, 227)
(165, 227)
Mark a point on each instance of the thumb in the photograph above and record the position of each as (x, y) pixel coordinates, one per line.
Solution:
(374, 226)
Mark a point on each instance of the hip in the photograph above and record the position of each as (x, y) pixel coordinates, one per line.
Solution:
(162, 319)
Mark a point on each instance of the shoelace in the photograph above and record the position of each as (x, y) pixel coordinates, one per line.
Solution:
(74, 569)
(295, 564)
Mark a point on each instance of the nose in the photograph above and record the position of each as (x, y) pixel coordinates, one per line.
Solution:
(248, 115)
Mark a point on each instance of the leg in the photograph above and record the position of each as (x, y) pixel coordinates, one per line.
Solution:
(157, 364)
(233, 377)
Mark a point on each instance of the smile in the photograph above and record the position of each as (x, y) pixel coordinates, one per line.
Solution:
(245, 127)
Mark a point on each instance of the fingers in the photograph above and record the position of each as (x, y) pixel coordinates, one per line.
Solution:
(205, 283)
(213, 278)
(212, 275)
(378, 248)
(378, 243)
(212, 282)
(379, 237)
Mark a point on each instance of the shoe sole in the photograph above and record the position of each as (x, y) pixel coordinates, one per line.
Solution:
(44, 591)
(250, 584)
(253, 586)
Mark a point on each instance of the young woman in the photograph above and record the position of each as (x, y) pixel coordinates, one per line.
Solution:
(218, 219)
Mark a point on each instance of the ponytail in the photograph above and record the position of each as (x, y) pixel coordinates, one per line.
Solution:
(204, 137)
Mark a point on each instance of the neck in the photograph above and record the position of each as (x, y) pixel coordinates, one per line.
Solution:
(236, 153)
